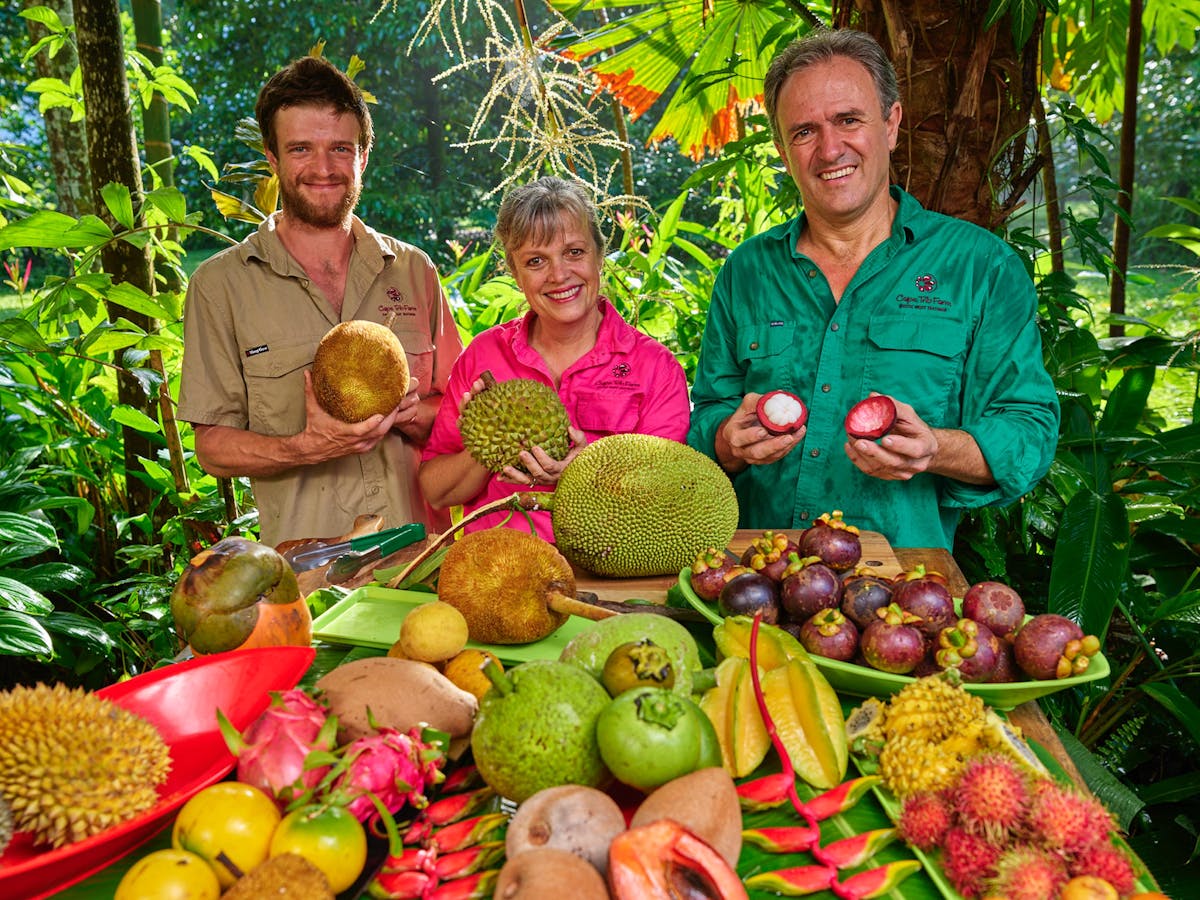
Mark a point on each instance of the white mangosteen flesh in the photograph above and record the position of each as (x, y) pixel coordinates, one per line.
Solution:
(782, 412)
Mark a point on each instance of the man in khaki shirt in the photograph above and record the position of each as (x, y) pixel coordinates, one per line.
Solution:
(256, 312)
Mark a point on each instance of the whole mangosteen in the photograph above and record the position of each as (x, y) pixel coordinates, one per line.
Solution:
(709, 573)
(808, 587)
(925, 595)
(893, 643)
(971, 648)
(830, 634)
(749, 593)
(862, 594)
(769, 554)
(833, 541)
(996, 605)
(1051, 646)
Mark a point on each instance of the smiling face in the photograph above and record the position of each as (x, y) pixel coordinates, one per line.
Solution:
(319, 164)
(559, 272)
(835, 140)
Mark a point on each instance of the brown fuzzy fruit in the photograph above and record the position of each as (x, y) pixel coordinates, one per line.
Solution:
(579, 819)
(549, 872)
(505, 583)
(360, 370)
(706, 803)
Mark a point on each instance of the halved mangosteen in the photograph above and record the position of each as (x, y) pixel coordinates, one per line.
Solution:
(781, 412)
(871, 418)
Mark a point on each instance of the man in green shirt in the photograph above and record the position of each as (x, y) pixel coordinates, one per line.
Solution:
(867, 292)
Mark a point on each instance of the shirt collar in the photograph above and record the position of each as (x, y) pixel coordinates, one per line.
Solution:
(265, 245)
(610, 335)
(905, 226)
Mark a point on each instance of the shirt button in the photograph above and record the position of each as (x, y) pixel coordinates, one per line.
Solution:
(826, 388)
(833, 327)
(803, 517)
(812, 273)
(814, 453)
(373, 491)
(754, 346)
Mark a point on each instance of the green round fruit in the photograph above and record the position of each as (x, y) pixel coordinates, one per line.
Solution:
(536, 728)
(649, 736)
(329, 837)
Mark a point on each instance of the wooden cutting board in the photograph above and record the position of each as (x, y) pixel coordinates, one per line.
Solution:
(877, 553)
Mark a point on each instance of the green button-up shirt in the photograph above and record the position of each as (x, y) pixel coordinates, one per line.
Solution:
(941, 315)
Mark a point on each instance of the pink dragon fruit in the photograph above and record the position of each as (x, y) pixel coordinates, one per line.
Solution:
(395, 767)
(286, 750)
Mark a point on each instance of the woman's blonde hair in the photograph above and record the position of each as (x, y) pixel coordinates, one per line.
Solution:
(534, 212)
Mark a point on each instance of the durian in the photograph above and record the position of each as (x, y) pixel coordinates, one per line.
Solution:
(360, 370)
(73, 764)
(507, 417)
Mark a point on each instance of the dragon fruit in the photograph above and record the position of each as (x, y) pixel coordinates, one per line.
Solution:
(394, 766)
(286, 750)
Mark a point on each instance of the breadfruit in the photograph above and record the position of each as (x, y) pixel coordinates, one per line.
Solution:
(360, 369)
(503, 582)
(636, 504)
(73, 764)
(507, 417)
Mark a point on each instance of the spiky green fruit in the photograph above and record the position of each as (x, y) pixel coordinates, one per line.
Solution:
(636, 504)
(507, 417)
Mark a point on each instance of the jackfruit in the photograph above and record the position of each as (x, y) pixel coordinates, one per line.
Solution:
(507, 417)
(359, 370)
(637, 504)
(73, 764)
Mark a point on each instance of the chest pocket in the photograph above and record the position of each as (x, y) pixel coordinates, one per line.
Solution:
(419, 350)
(763, 351)
(275, 388)
(919, 362)
(601, 413)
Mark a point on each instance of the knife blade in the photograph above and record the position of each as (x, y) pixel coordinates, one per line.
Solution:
(318, 556)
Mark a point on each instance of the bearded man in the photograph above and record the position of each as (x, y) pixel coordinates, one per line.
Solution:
(256, 312)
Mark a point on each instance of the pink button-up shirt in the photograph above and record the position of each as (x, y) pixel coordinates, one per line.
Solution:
(628, 382)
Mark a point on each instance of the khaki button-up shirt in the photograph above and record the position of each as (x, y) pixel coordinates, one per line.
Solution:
(252, 323)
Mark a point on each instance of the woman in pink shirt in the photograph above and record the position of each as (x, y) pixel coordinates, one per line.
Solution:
(611, 378)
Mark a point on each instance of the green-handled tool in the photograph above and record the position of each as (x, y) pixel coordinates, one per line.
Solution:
(349, 563)
(319, 556)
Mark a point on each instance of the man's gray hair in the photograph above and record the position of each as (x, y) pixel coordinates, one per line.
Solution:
(534, 212)
(820, 46)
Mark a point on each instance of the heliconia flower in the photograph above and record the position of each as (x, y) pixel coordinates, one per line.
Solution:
(395, 767)
(285, 751)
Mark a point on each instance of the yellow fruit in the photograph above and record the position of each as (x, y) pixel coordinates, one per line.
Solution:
(73, 764)
(1088, 887)
(637, 504)
(433, 632)
(808, 719)
(466, 671)
(732, 709)
(230, 824)
(329, 837)
(169, 875)
(359, 371)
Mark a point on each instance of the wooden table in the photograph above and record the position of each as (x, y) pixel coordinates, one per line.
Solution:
(887, 561)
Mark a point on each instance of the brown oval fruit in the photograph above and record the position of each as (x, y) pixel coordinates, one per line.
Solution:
(579, 819)
(359, 371)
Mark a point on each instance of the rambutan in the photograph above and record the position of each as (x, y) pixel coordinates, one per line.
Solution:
(1062, 819)
(991, 796)
(1106, 861)
(968, 860)
(924, 820)
(1028, 873)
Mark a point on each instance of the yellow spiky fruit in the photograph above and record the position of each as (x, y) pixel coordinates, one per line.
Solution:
(932, 709)
(909, 765)
(73, 764)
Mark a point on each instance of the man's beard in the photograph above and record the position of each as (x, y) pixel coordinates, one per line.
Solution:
(296, 207)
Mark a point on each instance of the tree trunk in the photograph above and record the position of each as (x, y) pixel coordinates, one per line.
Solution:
(112, 151)
(967, 100)
(66, 140)
(1125, 171)
(1050, 183)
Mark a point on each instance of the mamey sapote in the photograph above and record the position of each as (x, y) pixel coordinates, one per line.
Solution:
(359, 370)
(664, 860)
(239, 594)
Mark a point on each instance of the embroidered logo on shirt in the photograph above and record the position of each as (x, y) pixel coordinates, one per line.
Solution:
(254, 351)
(926, 283)
(621, 370)
(399, 305)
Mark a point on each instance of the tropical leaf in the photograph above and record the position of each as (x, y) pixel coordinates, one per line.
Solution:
(1091, 559)
(1177, 704)
(23, 635)
(709, 56)
(24, 536)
